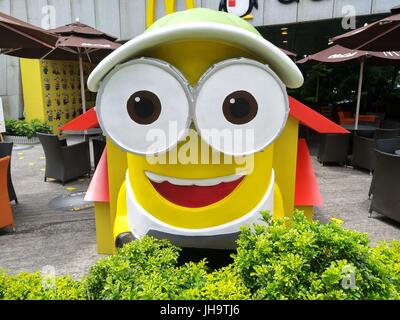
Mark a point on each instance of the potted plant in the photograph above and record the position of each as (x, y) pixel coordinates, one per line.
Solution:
(23, 132)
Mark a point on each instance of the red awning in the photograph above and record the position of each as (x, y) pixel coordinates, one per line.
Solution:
(307, 190)
(98, 189)
(313, 119)
(85, 121)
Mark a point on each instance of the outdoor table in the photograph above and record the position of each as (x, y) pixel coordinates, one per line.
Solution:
(361, 127)
(95, 132)
(86, 133)
(397, 152)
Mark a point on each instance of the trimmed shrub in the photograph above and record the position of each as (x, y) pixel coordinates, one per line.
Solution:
(32, 286)
(294, 259)
(23, 128)
(310, 260)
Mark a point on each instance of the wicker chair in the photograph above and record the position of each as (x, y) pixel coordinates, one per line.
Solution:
(65, 163)
(333, 148)
(386, 133)
(386, 146)
(99, 143)
(390, 124)
(386, 189)
(6, 150)
(363, 151)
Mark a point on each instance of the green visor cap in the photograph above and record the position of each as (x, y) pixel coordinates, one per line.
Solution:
(202, 24)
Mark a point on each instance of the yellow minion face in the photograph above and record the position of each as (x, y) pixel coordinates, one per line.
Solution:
(204, 194)
(198, 117)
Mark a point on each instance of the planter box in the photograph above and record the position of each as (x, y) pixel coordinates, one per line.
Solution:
(21, 140)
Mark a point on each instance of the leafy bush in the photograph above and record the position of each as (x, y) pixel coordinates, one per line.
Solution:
(32, 286)
(40, 126)
(147, 269)
(309, 260)
(24, 128)
(294, 259)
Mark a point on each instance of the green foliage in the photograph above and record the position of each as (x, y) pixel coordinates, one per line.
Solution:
(294, 259)
(40, 126)
(24, 128)
(148, 269)
(32, 286)
(309, 260)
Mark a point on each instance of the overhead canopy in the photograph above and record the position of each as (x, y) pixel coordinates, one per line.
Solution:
(382, 35)
(15, 34)
(63, 43)
(338, 54)
(83, 30)
(289, 53)
(83, 40)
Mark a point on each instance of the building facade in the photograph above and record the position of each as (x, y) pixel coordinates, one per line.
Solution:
(127, 18)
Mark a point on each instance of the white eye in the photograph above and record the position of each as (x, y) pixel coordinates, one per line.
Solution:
(144, 106)
(241, 108)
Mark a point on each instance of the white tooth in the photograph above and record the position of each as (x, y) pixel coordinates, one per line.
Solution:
(155, 177)
(196, 182)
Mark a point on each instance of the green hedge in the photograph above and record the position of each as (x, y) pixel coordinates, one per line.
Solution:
(26, 129)
(285, 260)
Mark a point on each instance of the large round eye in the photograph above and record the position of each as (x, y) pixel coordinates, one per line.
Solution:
(143, 106)
(241, 108)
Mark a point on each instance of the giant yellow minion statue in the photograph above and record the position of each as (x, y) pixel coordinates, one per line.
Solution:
(165, 100)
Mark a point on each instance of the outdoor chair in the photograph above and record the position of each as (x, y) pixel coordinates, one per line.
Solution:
(6, 214)
(390, 124)
(386, 190)
(386, 133)
(99, 143)
(65, 163)
(333, 148)
(386, 146)
(346, 117)
(6, 150)
(363, 150)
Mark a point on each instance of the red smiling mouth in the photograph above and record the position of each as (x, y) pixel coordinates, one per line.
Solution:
(187, 193)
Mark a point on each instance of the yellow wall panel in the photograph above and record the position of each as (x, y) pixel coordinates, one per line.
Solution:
(52, 91)
(285, 162)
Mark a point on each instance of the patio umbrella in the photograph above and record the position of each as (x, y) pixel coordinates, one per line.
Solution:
(16, 34)
(289, 53)
(382, 35)
(339, 54)
(85, 43)
(75, 41)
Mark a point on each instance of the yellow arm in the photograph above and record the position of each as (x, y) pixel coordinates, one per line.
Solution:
(121, 218)
(279, 212)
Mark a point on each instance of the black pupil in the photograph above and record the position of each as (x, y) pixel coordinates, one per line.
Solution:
(144, 107)
(239, 107)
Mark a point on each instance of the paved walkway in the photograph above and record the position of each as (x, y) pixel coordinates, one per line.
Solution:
(66, 240)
